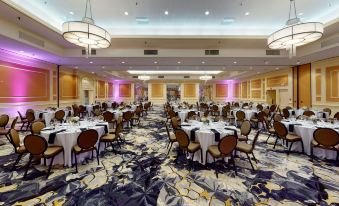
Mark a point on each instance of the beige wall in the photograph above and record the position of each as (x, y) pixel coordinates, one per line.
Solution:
(189, 92)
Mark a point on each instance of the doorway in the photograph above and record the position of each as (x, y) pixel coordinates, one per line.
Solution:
(173, 92)
(271, 96)
(88, 97)
(283, 98)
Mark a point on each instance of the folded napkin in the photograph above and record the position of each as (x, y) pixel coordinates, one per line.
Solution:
(52, 136)
(323, 114)
(83, 129)
(293, 112)
(105, 125)
(216, 135)
(291, 127)
(234, 130)
(193, 133)
(185, 125)
(47, 129)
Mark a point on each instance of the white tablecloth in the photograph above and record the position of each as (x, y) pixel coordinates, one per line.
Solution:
(205, 136)
(305, 131)
(299, 112)
(249, 113)
(69, 138)
(184, 112)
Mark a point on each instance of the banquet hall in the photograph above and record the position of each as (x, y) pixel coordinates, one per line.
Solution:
(169, 102)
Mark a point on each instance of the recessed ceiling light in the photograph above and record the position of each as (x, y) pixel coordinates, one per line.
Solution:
(92, 72)
(258, 72)
(126, 13)
(172, 71)
(91, 62)
(22, 51)
(155, 62)
(166, 13)
(71, 13)
(298, 62)
(277, 68)
(207, 13)
(300, 14)
(247, 13)
(130, 67)
(103, 67)
(251, 68)
(76, 67)
(234, 62)
(266, 62)
(122, 62)
(203, 62)
(179, 62)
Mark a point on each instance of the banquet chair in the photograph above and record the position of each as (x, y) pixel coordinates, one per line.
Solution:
(191, 115)
(4, 119)
(269, 128)
(215, 110)
(171, 138)
(38, 148)
(206, 113)
(36, 127)
(23, 120)
(186, 145)
(260, 107)
(325, 138)
(336, 116)
(245, 130)
(175, 123)
(20, 150)
(59, 115)
(127, 117)
(277, 117)
(104, 106)
(225, 148)
(282, 133)
(248, 148)
(328, 110)
(109, 118)
(286, 113)
(244, 105)
(308, 113)
(273, 107)
(82, 111)
(240, 116)
(136, 116)
(5, 131)
(85, 143)
(110, 138)
(236, 104)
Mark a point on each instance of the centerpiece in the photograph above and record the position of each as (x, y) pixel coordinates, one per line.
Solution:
(205, 120)
(74, 120)
(314, 119)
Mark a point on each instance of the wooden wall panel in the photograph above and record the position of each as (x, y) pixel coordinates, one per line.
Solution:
(304, 89)
(256, 94)
(244, 89)
(236, 90)
(256, 84)
(157, 90)
(68, 86)
(23, 83)
(332, 85)
(110, 90)
(124, 90)
(101, 89)
(221, 90)
(189, 90)
(277, 81)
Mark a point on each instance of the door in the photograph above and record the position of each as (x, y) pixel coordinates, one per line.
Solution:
(271, 97)
(86, 97)
(304, 85)
(283, 98)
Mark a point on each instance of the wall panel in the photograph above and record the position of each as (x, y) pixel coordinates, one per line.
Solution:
(189, 90)
(110, 90)
(124, 90)
(244, 90)
(23, 83)
(221, 90)
(318, 84)
(101, 89)
(256, 84)
(256, 94)
(68, 86)
(277, 81)
(332, 85)
(236, 90)
(157, 91)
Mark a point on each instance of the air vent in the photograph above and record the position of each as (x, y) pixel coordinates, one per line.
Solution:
(272, 52)
(135, 77)
(31, 39)
(330, 42)
(211, 52)
(150, 52)
(93, 52)
(161, 77)
(186, 77)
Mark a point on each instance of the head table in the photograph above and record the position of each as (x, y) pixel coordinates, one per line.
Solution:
(68, 138)
(205, 136)
(305, 129)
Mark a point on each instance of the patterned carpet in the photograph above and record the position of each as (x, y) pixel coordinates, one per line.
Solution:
(141, 174)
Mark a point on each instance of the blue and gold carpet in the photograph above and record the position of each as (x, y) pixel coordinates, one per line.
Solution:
(141, 174)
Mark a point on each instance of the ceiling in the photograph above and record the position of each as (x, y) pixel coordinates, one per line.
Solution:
(180, 37)
(185, 17)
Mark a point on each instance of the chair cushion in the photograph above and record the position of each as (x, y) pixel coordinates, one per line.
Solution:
(243, 147)
(108, 138)
(173, 138)
(21, 149)
(293, 138)
(315, 144)
(230, 117)
(242, 138)
(111, 131)
(214, 150)
(254, 120)
(4, 131)
(193, 147)
(53, 150)
(271, 130)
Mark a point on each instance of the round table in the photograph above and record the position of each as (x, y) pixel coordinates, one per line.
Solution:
(48, 115)
(68, 139)
(305, 130)
(205, 136)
